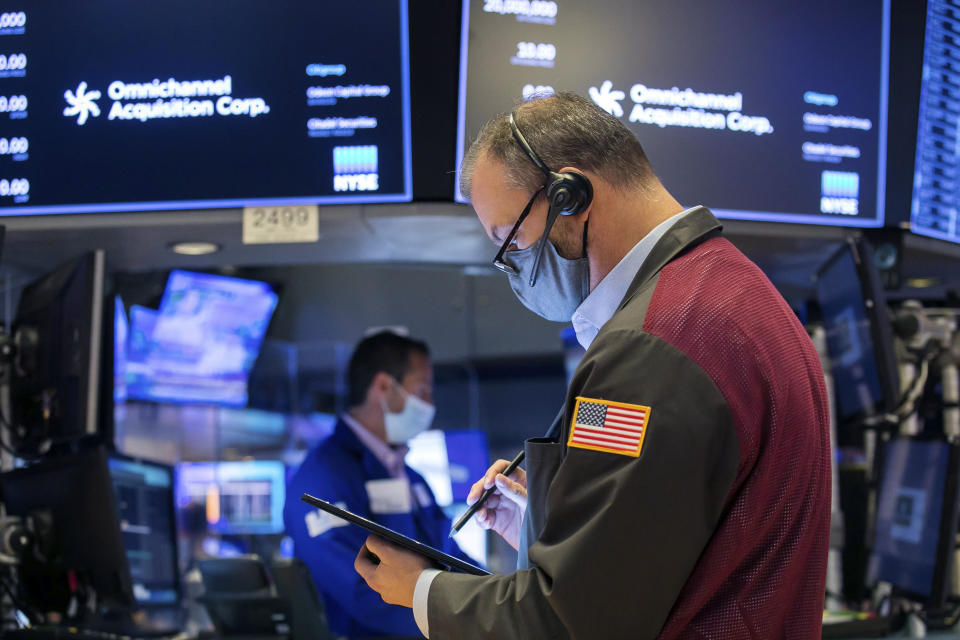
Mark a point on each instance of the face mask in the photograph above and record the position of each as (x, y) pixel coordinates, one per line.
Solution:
(416, 416)
(561, 284)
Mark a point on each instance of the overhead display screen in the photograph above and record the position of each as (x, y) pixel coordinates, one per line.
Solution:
(762, 111)
(935, 187)
(130, 106)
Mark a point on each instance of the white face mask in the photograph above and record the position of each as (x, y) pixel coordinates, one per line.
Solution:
(416, 416)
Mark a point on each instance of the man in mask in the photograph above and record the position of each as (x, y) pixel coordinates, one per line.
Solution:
(686, 490)
(361, 468)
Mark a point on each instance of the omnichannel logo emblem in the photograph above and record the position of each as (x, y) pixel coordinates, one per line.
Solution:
(608, 99)
(170, 98)
(840, 192)
(355, 168)
(81, 103)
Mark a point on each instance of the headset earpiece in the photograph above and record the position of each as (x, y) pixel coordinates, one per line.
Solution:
(570, 193)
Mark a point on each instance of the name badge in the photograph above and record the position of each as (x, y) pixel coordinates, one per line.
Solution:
(319, 522)
(389, 496)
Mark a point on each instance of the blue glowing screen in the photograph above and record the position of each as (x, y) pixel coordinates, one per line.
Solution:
(202, 343)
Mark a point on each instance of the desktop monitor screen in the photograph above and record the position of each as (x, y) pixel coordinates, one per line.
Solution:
(135, 106)
(202, 343)
(759, 110)
(916, 518)
(934, 208)
(859, 335)
(144, 494)
(243, 497)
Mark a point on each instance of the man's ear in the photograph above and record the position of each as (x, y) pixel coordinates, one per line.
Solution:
(379, 387)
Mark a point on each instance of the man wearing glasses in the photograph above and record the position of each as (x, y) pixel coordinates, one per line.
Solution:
(688, 494)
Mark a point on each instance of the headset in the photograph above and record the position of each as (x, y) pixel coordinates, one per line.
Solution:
(568, 193)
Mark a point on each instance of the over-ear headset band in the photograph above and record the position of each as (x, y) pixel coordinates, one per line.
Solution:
(528, 149)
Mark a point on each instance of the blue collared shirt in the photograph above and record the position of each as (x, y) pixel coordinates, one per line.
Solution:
(602, 303)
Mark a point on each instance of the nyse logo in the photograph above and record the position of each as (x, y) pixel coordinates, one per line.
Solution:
(355, 168)
(840, 193)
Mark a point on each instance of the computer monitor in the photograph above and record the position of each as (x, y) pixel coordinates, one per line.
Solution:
(57, 332)
(244, 497)
(324, 87)
(200, 346)
(144, 494)
(70, 500)
(809, 129)
(859, 334)
(916, 519)
(933, 210)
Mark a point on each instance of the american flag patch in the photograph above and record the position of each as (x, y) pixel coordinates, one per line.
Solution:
(614, 427)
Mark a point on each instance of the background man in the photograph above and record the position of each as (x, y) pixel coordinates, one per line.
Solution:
(361, 468)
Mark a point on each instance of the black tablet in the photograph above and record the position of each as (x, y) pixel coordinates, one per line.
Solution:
(399, 539)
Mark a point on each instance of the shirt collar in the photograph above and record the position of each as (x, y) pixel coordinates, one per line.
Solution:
(392, 458)
(602, 303)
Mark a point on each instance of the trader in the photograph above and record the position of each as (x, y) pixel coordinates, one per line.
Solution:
(361, 468)
(688, 495)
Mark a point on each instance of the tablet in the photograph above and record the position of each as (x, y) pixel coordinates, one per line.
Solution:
(398, 539)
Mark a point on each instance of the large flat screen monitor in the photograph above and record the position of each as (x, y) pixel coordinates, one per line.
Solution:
(120, 106)
(859, 335)
(144, 495)
(200, 346)
(244, 497)
(937, 167)
(762, 111)
(916, 520)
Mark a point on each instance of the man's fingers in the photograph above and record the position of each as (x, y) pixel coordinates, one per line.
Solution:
(364, 565)
(378, 546)
(475, 491)
(496, 468)
(484, 518)
(519, 475)
(506, 486)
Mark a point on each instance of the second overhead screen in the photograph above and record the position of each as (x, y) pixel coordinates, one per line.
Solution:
(766, 111)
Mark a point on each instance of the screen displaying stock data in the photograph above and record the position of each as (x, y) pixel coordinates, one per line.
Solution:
(130, 106)
(937, 167)
(759, 110)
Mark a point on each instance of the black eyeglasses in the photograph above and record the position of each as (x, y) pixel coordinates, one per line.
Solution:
(498, 259)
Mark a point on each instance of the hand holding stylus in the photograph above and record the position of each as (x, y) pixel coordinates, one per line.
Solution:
(503, 510)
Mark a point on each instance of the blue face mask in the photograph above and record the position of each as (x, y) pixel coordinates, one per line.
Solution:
(561, 284)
